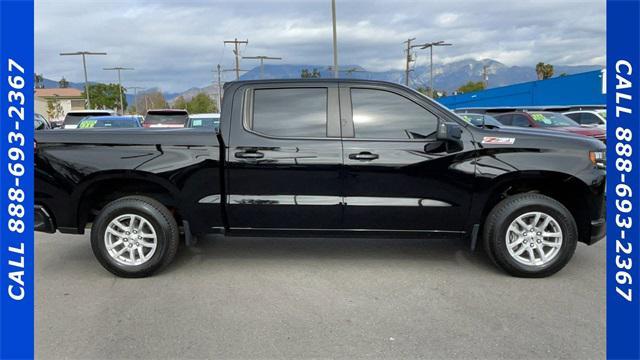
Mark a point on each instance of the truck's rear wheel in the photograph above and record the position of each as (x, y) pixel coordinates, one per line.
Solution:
(530, 235)
(134, 236)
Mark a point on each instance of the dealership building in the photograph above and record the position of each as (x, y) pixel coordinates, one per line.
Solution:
(568, 90)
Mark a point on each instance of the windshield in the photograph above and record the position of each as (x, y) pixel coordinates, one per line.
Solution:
(549, 119)
(477, 120)
(166, 119)
(212, 123)
(74, 118)
(107, 123)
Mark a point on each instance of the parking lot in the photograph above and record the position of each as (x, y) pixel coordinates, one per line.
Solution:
(320, 298)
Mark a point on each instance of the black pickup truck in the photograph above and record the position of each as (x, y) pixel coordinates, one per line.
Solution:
(323, 158)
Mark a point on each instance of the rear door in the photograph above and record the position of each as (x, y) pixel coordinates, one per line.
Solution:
(284, 158)
(391, 183)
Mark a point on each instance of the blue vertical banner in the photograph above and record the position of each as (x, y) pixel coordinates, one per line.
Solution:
(16, 179)
(623, 182)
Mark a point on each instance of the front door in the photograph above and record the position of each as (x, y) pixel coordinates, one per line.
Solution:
(391, 182)
(285, 158)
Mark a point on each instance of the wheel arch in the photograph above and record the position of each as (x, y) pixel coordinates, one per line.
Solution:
(94, 192)
(567, 189)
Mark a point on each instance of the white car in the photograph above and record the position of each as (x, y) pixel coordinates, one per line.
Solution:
(589, 118)
(73, 117)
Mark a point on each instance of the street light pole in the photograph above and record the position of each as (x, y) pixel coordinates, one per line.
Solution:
(84, 66)
(262, 58)
(135, 95)
(431, 46)
(335, 40)
(118, 69)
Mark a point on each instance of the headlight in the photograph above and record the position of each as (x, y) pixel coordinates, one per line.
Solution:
(598, 158)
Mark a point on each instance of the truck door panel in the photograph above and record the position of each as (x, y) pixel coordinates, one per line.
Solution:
(284, 159)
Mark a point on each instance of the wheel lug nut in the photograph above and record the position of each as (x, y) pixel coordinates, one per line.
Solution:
(127, 233)
(139, 237)
(525, 234)
(125, 240)
(539, 233)
(539, 241)
(532, 245)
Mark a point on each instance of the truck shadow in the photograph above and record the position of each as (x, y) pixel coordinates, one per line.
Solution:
(240, 250)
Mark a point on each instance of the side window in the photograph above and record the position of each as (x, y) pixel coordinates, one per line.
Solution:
(379, 114)
(520, 120)
(575, 117)
(589, 119)
(504, 119)
(294, 112)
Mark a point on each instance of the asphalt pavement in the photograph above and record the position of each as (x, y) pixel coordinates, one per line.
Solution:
(274, 298)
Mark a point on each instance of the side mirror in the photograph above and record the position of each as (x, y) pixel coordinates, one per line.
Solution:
(449, 138)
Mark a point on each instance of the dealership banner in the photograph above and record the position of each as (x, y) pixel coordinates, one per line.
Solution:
(16, 179)
(623, 190)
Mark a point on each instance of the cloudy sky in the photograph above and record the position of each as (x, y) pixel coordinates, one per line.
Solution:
(176, 44)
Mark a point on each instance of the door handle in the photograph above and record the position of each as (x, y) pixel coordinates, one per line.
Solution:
(249, 155)
(365, 155)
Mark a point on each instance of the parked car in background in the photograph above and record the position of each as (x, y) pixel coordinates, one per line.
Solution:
(550, 121)
(91, 122)
(590, 118)
(40, 122)
(166, 118)
(72, 118)
(209, 121)
(481, 120)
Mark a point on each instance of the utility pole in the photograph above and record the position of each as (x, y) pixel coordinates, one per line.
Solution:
(408, 60)
(84, 65)
(220, 70)
(336, 71)
(235, 42)
(431, 46)
(485, 76)
(119, 69)
(135, 95)
(262, 58)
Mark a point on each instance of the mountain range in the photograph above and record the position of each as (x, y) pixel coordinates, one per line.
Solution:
(447, 77)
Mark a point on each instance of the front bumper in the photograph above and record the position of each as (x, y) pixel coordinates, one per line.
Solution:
(42, 221)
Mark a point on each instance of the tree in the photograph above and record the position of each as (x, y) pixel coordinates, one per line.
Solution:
(151, 100)
(54, 109)
(38, 81)
(306, 74)
(202, 103)
(106, 96)
(544, 71)
(471, 86)
(180, 103)
(63, 83)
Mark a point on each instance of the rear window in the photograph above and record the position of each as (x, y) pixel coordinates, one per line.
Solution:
(300, 112)
(166, 118)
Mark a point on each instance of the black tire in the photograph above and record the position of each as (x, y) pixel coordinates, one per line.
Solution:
(509, 209)
(163, 222)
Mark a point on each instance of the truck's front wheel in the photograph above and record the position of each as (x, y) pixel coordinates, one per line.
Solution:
(530, 235)
(134, 236)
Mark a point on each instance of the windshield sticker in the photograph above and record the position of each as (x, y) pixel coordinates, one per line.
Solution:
(88, 124)
(541, 118)
(498, 140)
(466, 118)
(197, 122)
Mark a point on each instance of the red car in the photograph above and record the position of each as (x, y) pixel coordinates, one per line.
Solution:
(550, 121)
(166, 118)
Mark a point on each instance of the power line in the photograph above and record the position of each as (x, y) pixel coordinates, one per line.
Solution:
(84, 65)
(119, 69)
(262, 58)
(235, 42)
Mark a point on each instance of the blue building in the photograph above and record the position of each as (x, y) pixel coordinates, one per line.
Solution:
(578, 89)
